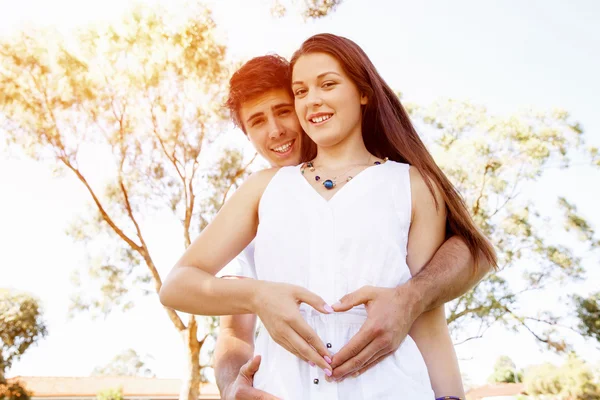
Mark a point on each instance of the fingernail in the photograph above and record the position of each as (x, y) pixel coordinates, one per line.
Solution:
(328, 308)
(327, 359)
(327, 372)
(312, 364)
(356, 374)
(338, 304)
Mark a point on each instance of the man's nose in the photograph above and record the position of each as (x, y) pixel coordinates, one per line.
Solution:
(276, 130)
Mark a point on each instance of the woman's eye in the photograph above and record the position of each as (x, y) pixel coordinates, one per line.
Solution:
(299, 92)
(328, 84)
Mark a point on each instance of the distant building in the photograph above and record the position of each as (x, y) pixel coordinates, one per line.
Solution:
(86, 388)
(498, 391)
(135, 388)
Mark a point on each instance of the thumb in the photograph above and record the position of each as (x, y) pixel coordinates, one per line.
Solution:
(315, 301)
(353, 299)
(250, 368)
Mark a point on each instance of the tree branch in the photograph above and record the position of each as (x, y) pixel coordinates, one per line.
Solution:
(143, 248)
(238, 174)
(101, 209)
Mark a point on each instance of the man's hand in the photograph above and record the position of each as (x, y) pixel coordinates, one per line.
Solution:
(277, 305)
(242, 388)
(390, 315)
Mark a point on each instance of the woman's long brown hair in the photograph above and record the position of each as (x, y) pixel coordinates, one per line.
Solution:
(388, 132)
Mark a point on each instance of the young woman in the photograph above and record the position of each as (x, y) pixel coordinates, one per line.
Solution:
(369, 208)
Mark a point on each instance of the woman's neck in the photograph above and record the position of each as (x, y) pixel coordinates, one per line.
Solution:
(351, 151)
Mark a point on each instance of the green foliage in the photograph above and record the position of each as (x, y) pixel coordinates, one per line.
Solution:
(13, 390)
(491, 159)
(573, 380)
(308, 9)
(143, 97)
(505, 371)
(21, 325)
(110, 394)
(127, 363)
(588, 312)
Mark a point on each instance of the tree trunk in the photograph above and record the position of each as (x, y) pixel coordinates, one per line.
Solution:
(190, 390)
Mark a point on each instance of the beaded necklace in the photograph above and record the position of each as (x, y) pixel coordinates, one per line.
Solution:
(332, 182)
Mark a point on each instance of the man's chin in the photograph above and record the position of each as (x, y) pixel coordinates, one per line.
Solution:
(287, 160)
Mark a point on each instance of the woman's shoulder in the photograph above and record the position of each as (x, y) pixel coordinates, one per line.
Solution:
(263, 174)
(259, 180)
(415, 176)
(424, 189)
(398, 166)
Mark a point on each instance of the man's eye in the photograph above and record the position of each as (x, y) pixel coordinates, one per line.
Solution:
(257, 122)
(284, 112)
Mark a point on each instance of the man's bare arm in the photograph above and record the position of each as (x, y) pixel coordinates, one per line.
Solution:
(235, 365)
(234, 347)
(450, 274)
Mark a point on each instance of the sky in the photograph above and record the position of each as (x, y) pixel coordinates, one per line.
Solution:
(505, 55)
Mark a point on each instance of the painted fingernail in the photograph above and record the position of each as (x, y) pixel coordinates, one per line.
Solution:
(328, 308)
(327, 372)
(327, 359)
(312, 364)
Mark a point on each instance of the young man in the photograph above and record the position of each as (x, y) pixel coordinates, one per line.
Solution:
(262, 105)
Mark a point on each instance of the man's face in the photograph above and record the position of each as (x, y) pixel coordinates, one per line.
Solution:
(273, 128)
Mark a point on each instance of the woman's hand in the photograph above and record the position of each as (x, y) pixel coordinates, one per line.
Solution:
(278, 307)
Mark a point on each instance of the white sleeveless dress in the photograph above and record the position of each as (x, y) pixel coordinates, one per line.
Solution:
(334, 247)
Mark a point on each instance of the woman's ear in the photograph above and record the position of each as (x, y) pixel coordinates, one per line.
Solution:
(364, 99)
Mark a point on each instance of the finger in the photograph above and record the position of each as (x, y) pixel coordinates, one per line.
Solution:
(308, 353)
(310, 336)
(363, 337)
(248, 392)
(376, 359)
(353, 299)
(283, 341)
(249, 369)
(357, 362)
(313, 300)
(287, 343)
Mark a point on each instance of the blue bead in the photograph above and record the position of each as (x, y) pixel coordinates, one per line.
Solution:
(377, 163)
(328, 184)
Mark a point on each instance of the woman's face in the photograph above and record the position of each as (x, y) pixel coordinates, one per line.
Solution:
(327, 102)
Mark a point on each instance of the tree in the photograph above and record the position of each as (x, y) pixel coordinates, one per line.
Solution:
(308, 9)
(127, 363)
(505, 371)
(110, 394)
(14, 390)
(21, 326)
(145, 96)
(573, 380)
(491, 159)
(588, 312)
